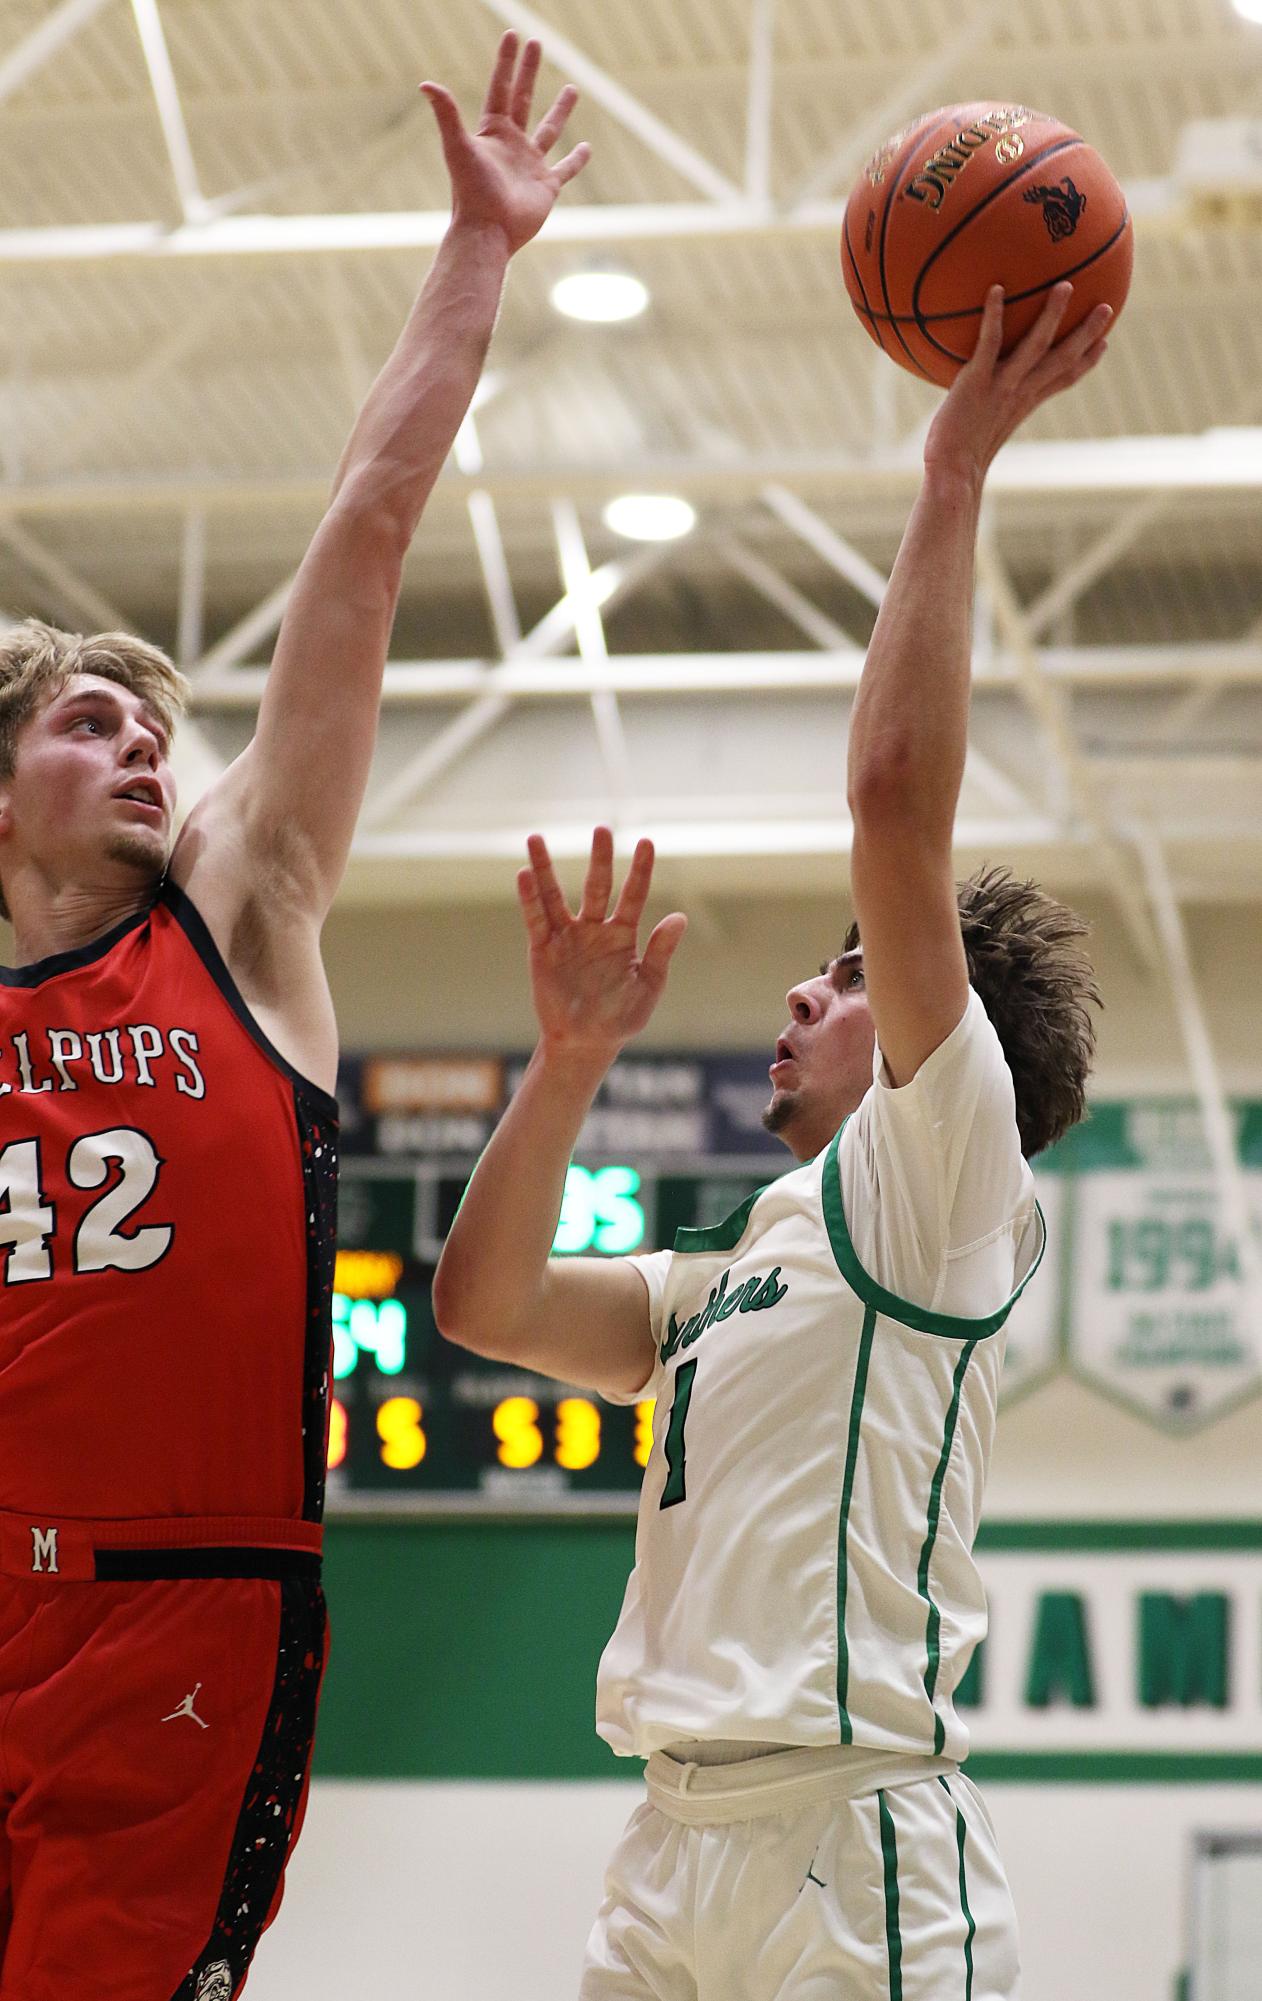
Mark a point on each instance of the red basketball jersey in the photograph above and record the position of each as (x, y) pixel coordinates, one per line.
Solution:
(167, 1221)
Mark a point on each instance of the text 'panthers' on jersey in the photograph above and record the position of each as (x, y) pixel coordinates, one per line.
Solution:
(804, 1570)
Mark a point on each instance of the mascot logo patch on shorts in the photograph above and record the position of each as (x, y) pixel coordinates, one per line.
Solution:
(215, 1983)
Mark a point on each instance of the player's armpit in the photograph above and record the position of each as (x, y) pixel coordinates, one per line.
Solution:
(589, 1325)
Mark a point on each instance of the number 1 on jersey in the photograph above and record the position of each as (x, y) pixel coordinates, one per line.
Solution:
(675, 1489)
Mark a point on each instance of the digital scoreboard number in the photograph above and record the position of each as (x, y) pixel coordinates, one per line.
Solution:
(413, 1415)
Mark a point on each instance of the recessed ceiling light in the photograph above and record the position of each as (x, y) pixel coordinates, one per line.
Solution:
(600, 295)
(1249, 10)
(650, 517)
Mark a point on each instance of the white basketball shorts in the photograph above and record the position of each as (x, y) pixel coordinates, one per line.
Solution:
(755, 1883)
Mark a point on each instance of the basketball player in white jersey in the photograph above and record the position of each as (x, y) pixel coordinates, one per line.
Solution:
(825, 1363)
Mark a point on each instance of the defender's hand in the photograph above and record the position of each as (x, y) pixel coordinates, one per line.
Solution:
(592, 990)
(500, 175)
(991, 397)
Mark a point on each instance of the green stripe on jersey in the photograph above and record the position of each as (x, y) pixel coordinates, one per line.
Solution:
(970, 1928)
(724, 1236)
(847, 1494)
(893, 1937)
(888, 1304)
(931, 1536)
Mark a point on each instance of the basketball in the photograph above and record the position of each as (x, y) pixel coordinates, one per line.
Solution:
(971, 196)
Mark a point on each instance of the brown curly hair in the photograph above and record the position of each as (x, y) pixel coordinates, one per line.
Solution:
(1026, 963)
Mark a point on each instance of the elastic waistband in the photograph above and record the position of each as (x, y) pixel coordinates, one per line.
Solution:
(780, 1782)
(76, 1551)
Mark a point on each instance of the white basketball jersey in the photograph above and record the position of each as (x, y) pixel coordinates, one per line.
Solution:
(803, 1572)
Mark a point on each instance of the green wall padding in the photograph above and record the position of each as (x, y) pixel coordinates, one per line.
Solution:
(466, 1649)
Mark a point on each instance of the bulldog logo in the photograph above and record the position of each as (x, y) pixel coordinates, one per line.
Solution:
(1062, 207)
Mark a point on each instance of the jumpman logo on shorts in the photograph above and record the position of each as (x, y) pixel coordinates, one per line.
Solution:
(186, 1709)
(811, 1877)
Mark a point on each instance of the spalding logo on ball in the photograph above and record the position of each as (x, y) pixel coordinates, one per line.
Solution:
(972, 196)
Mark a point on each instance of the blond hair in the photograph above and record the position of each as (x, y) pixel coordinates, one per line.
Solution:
(37, 660)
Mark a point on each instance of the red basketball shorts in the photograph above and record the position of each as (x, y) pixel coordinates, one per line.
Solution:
(155, 1747)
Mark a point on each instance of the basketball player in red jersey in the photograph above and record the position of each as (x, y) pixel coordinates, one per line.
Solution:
(167, 1173)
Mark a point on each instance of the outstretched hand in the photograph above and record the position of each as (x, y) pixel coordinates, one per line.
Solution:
(500, 174)
(991, 397)
(592, 988)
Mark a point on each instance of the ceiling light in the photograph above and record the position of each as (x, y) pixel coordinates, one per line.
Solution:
(600, 295)
(650, 517)
(1248, 10)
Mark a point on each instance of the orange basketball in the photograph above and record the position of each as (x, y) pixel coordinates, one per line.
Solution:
(972, 196)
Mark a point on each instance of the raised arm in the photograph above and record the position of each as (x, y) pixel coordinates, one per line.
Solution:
(497, 1290)
(909, 725)
(292, 799)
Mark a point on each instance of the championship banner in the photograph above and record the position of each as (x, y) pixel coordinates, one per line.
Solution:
(1154, 1310)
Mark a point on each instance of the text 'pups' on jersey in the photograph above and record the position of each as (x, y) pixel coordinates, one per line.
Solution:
(60, 1059)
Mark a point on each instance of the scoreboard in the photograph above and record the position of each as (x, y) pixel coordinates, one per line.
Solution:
(415, 1416)
(417, 1423)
